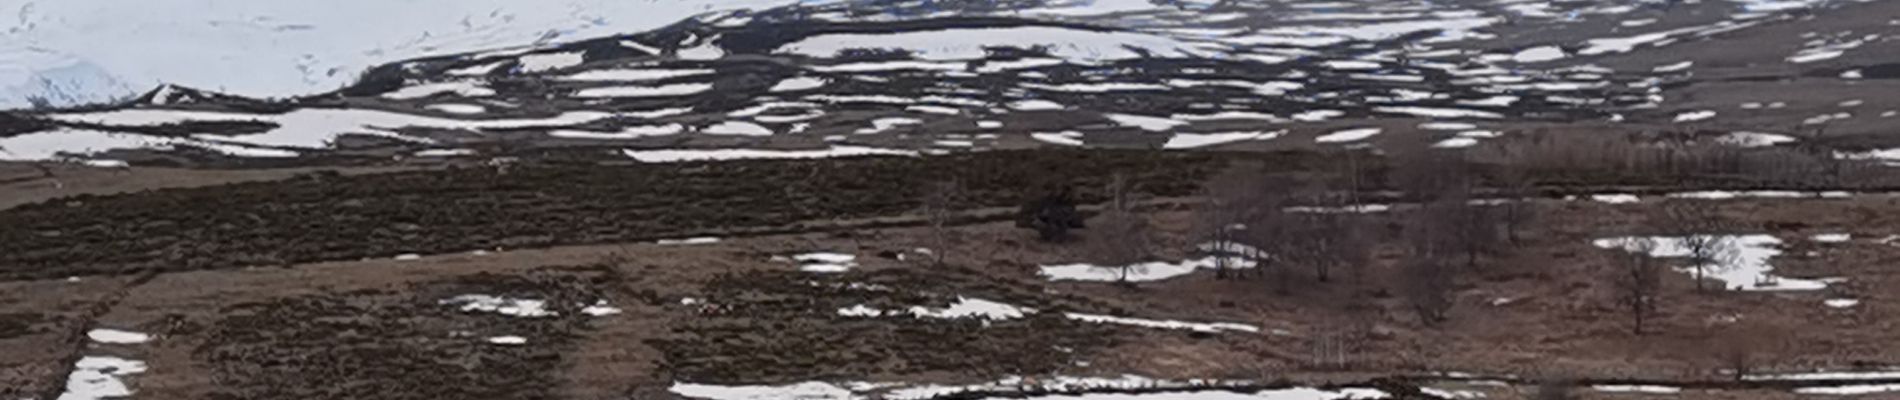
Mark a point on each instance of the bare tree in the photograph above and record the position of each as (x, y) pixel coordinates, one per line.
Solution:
(1427, 276)
(1698, 228)
(1740, 348)
(940, 205)
(1517, 210)
(1122, 239)
(1638, 281)
(1051, 215)
(1555, 389)
(1228, 203)
(1428, 285)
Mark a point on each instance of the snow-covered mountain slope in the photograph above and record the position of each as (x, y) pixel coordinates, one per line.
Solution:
(958, 75)
(79, 51)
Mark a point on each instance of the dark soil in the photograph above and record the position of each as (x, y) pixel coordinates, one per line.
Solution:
(783, 326)
(400, 345)
(329, 217)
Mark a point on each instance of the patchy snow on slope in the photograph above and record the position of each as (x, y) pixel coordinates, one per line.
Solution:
(1144, 122)
(625, 133)
(679, 89)
(459, 88)
(1743, 263)
(973, 43)
(625, 75)
(797, 84)
(102, 49)
(685, 155)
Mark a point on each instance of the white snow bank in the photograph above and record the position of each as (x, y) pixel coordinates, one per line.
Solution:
(826, 262)
(1165, 324)
(1348, 135)
(1615, 198)
(501, 305)
(797, 391)
(1651, 389)
(978, 308)
(1139, 272)
(1841, 303)
(1832, 238)
(1826, 376)
(1849, 390)
(508, 340)
(117, 336)
(98, 378)
(1199, 140)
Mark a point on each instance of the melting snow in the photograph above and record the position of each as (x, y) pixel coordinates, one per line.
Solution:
(1141, 272)
(680, 89)
(1198, 140)
(98, 378)
(1652, 389)
(826, 262)
(1164, 324)
(1065, 138)
(1826, 376)
(1693, 116)
(973, 43)
(795, 84)
(618, 75)
(508, 340)
(1850, 390)
(460, 88)
(501, 305)
(684, 155)
(1615, 198)
(799, 391)
(1144, 122)
(1538, 54)
(1754, 139)
(1744, 265)
(1832, 237)
(968, 307)
(1841, 303)
(115, 336)
(688, 241)
(463, 109)
(553, 61)
(1349, 135)
(600, 309)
